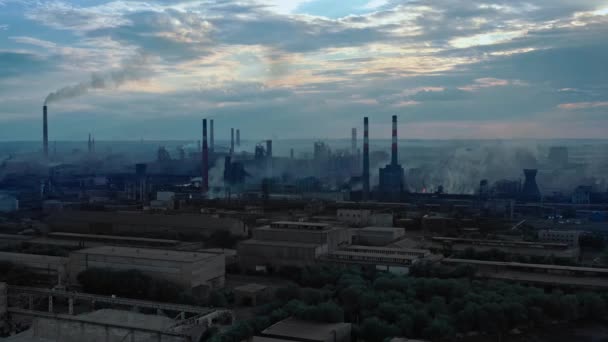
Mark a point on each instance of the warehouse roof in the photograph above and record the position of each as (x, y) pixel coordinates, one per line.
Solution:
(295, 329)
(145, 253)
(280, 243)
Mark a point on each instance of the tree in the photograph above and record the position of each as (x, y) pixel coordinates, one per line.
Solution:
(439, 330)
(374, 329)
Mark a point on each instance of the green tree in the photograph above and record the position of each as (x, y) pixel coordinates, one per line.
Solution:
(374, 329)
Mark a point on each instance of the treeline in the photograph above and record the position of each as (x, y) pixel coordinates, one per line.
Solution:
(382, 305)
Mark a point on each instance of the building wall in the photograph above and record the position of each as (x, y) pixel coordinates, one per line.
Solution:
(332, 237)
(252, 254)
(568, 237)
(51, 266)
(357, 217)
(74, 331)
(137, 222)
(206, 273)
(379, 237)
(381, 220)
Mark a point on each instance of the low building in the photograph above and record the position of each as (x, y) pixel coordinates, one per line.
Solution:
(378, 236)
(292, 329)
(102, 325)
(394, 260)
(287, 243)
(252, 294)
(543, 274)
(194, 271)
(121, 222)
(569, 237)
(364, 217)
(525, 248)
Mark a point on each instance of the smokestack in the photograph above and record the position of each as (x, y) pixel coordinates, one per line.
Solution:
(211, 142)
(45, 132)
(394, 149)
(291, 153)
(205, 166)
(269, 148)
(231, 140)
(238, 137)
(365, 159)
(353, 142)
(89, 145)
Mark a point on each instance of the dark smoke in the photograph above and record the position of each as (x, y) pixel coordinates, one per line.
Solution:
(132, 69)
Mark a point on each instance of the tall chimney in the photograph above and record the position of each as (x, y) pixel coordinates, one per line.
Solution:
(394, 148)
(353, 142)
(205, 165)
(45, 132)
(365, 159)
(231, 140)
(89, 145)
(211, 139)
(269, 148)
(238, 137)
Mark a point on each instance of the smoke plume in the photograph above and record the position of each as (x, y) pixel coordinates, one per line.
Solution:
(132, 69)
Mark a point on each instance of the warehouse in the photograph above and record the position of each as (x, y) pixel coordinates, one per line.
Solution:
(196, 272)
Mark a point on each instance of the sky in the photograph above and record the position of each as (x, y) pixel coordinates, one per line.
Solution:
(450, 69)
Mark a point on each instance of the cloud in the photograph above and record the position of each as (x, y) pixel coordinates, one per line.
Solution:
(583, 105)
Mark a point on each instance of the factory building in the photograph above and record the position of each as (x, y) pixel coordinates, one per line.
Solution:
(105, 222)
(292, 329)
(286, 243)
(392, 176)
(196, 272)
(364, 217)
(569, 237)
(394, 260)
(378, 236)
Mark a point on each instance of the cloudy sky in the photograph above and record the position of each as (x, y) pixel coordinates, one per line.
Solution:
(152, 69)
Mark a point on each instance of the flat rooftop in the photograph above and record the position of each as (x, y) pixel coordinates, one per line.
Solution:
(280, 243)
(387, 249)
(146, 253)
(112, 238)
(292, 328)
(382, 229)
(524, 265)
(502, 242)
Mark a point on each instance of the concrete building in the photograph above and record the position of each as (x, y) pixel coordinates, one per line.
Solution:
(525, 248)
(378, 236)
(286, 243)
(102, 325)
(394, 260)
(292, 329)
(364, 217)
(53, 268)
(196, 272)
(102, 222)
(252, 294)
(569, 237)
(8, 203)
(582, 195)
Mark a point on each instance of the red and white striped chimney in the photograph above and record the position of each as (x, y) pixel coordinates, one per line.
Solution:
(205, 164)
(394, 148)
